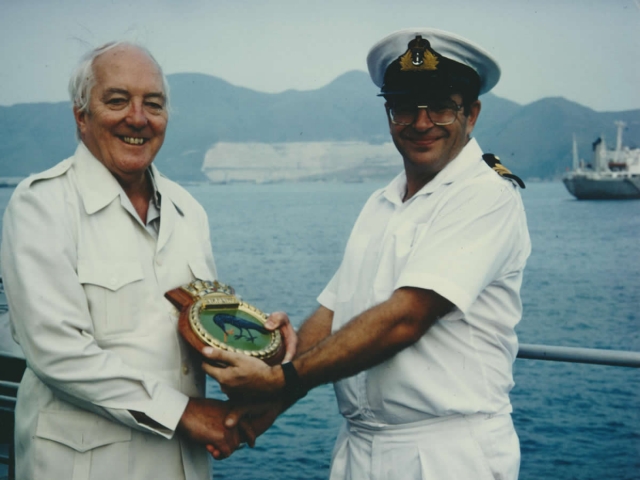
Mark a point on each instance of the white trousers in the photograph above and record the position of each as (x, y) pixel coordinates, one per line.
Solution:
(460, 447)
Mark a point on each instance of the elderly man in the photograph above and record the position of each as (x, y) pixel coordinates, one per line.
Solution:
(416, 328)
(90, 246)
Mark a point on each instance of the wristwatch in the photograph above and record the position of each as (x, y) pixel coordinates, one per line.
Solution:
(293, 388)
(211, 314)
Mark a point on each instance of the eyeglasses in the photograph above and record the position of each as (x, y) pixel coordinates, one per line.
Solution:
(440, 113)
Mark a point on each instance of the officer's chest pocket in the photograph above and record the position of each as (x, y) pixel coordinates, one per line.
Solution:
(394, 256)
(403, 241)
(115, 292)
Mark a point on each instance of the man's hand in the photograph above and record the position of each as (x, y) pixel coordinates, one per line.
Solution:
(203, 421)
(252, 420)
(241, 376)
(280, 320)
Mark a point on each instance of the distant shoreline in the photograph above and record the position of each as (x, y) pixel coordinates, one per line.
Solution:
(10, 182)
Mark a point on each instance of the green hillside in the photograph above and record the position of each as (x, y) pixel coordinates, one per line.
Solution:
(533, 140)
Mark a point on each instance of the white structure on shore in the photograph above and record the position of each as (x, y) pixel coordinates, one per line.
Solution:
(275, 162)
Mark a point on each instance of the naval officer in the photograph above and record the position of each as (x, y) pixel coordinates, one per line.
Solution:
(416, 328)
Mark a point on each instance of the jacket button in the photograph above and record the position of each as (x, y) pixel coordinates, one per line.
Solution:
(185, 369)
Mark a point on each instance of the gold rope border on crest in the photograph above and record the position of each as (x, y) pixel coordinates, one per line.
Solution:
(218, 299)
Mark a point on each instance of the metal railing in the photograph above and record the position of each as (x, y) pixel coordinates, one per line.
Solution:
(11, 371)
(618, 358)
(13, 367)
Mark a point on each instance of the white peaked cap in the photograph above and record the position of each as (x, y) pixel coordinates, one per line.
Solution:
(447, 44)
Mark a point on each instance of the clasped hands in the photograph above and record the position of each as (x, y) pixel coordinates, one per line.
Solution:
(252, 387)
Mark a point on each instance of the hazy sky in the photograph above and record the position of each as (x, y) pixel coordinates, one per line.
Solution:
(587, 51)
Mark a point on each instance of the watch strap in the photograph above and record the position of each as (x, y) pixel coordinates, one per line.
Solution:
(293, 388)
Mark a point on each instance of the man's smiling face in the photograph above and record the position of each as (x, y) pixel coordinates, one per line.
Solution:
(125, 123)
(426, 147)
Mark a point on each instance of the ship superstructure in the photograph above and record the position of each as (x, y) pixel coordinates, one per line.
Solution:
(613, 174)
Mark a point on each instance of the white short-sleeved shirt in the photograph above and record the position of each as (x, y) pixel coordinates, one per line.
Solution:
(464, 236)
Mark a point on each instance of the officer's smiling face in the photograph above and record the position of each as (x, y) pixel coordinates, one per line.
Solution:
(427, 148)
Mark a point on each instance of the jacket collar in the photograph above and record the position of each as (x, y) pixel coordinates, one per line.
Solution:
(98, 187)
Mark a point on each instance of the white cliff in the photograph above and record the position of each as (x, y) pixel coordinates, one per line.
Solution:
(274, 162)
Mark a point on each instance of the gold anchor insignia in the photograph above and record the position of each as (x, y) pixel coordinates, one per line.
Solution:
(418, 56)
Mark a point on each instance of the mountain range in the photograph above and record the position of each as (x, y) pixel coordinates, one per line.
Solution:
(533, 140)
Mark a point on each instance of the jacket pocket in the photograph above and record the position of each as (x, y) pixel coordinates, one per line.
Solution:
(115, 291)
(80, 445)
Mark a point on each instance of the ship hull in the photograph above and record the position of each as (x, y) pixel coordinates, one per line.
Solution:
(603, 188)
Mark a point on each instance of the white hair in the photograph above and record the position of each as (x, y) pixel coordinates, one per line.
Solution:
(83, 78)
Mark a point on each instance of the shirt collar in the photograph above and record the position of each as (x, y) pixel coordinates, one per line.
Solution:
(156, 197)
(470, 155)
(395, 191)
(165, 189)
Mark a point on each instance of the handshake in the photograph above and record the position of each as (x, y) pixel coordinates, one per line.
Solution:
(255, 391)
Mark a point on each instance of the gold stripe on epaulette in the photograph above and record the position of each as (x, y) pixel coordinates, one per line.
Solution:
(501, 169)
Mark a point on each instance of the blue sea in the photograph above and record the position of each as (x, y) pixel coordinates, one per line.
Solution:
(279, 244)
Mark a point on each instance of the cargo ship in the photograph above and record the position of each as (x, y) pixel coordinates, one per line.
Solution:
(614, 174)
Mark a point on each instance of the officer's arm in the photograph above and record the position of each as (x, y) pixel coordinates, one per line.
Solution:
(372, 337)
(368, 339)
(315, 329)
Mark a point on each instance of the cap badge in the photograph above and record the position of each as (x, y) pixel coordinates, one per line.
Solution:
(418, 56)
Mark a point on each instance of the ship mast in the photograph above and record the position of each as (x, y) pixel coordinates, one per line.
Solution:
(576, 161)
(620, 126)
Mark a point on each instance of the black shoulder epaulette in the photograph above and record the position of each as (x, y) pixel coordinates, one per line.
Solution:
(494, 162)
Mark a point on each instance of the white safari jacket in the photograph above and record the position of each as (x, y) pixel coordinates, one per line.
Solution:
(85, 284)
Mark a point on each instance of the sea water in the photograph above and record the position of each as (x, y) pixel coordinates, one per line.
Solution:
(279, 244)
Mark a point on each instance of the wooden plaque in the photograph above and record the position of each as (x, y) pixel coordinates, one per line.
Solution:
(211, 314)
